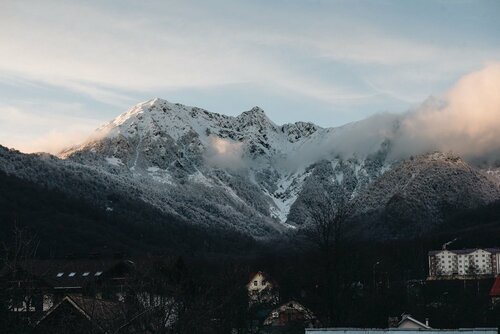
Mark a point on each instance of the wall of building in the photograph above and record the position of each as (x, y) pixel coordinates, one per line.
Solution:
(258, 283)
(476, 262)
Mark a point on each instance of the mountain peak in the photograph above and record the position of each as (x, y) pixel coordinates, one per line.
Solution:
(255, 117)
(157, 101)
(255, 112)
(257, 109)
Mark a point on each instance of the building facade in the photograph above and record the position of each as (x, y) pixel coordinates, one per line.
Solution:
(262, 289)
(464, 263)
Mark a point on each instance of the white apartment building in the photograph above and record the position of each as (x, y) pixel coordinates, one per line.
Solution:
(464, 263)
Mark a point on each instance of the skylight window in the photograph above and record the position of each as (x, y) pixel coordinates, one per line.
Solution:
(86, 273)
(59, 274)
(71, 274)
(99, 273)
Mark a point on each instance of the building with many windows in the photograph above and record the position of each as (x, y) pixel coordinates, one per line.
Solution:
(464, 263)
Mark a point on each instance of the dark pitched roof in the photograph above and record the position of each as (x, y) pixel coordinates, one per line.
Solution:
(70, 273)
(495, 289)
(104, 314)
(291, 305)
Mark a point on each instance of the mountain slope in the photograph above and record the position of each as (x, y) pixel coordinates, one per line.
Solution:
(419, 194)
(255, 167)
(74, 225)
(251, 175)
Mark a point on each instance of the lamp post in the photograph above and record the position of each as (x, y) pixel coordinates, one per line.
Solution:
(373, 273)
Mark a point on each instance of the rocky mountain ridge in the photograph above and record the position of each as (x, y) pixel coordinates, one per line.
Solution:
(252, 175)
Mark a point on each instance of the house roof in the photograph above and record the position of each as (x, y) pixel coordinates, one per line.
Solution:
(105, 314)
(68, 273)
(408, 317)
(291, 305)
(495, 289)
(465, 251)
(265, 275)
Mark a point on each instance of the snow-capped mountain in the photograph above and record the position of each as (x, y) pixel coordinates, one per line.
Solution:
(248, 163)
(252, 175)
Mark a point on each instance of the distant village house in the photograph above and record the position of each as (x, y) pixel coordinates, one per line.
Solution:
(262, 289)
(37, 285)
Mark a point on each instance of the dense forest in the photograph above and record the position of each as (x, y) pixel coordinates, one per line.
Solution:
(360, 284)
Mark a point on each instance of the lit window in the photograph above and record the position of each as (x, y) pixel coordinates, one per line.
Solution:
(60, 274)
(86, 273)
(72, 274)
(99, 273)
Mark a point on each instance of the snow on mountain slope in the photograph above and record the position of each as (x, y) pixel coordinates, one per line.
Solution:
(257, 164)
(255, 176)
(418, 194)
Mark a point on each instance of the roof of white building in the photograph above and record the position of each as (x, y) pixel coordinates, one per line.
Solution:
(465, 251)
(407, 317)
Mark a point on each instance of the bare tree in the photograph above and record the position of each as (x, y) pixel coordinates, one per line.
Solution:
(21, 295)
(326, 231)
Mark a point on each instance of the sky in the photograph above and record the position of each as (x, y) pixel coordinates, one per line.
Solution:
(66, 67)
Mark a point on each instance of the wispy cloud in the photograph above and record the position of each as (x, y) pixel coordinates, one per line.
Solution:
(34, 127)
(180, 45)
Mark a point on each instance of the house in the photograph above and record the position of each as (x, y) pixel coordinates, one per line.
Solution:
(36, 285)
(495, 290)
(464, 263)
(76, 314)
(291, 313)
(400, 331)
(262, 289)
(408, 322)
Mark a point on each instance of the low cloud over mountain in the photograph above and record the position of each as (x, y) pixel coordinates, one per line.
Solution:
(466, 120)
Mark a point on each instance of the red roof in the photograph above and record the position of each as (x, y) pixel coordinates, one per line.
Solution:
(495, 289)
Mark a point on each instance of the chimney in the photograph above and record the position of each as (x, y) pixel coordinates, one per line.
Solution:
(427, 322)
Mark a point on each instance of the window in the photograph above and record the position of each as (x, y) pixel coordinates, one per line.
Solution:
(255, 283)
(99, 273)
(71, 274)
(86, 273)
(59, 274)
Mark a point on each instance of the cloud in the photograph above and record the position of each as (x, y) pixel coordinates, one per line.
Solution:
(53, 141)
(225, 153)
(466, 120)
(357, 139)
(47, 127)
(97, 49)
